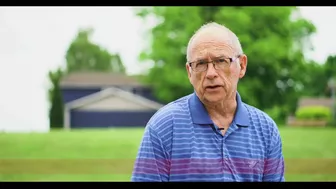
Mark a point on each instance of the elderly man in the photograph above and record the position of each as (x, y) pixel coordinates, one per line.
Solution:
(211, 134)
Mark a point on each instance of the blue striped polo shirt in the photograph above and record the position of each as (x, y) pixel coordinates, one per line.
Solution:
(181, 143)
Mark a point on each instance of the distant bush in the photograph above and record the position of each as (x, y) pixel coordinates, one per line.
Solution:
(314, 113)
(278, 114)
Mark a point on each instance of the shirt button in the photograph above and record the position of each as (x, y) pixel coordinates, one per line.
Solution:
(226, 158)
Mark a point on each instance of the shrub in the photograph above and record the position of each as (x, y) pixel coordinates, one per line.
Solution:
(314, 113)
(278, 114)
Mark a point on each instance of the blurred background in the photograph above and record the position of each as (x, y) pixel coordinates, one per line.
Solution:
(79, 84)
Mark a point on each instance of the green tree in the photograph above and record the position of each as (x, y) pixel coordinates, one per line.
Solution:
(330, 66)
(272, 38)
(82, 55)
(315, 79)
(55, 99)
(117, 64)
(330, 70)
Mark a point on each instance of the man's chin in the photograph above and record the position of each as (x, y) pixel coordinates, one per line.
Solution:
(213, 99)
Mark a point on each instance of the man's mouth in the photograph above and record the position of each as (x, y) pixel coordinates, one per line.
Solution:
(213, 86)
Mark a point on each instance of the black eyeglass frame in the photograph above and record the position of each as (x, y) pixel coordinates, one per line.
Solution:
(231, 60)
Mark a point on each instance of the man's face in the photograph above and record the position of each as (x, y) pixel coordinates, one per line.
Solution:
(215, 85)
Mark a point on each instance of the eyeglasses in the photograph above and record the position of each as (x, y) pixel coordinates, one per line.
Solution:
(220, 63)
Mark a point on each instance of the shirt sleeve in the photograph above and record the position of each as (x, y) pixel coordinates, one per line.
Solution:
(151, 164)
(274, 164)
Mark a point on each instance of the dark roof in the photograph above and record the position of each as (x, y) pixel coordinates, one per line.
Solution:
(98, 79)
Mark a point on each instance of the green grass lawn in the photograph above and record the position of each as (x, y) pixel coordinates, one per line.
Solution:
(108, 155)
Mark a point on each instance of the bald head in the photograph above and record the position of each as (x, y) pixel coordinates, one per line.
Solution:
(214, 31)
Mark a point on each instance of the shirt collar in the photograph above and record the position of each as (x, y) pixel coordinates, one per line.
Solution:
(200, 115)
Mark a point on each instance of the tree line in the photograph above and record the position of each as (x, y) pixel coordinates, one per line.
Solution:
(275, 40)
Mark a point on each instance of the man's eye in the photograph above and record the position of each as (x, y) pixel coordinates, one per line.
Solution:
(221, 60)
(201, 62)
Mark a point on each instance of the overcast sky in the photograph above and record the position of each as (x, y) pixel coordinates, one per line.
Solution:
(33, 41)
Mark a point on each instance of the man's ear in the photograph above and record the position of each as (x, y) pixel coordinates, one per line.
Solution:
(188, 69)
(243, 65)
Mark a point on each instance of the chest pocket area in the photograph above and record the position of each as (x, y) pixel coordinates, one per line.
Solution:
(206, 158)
(247, 170)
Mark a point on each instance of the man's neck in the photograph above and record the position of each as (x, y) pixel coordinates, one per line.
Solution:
(225, 109)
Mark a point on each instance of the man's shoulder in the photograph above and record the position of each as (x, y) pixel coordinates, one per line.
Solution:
(165, 115)
(263, 122)
(260, 116)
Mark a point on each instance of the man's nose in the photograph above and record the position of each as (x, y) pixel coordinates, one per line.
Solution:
(211, 71)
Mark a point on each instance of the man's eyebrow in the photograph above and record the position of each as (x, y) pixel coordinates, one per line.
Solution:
(221, 56)
(215, 57)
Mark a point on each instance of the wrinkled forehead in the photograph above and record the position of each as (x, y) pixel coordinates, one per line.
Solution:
(211, 44)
